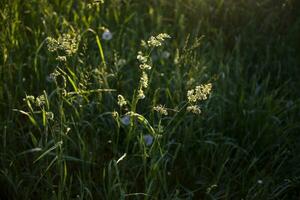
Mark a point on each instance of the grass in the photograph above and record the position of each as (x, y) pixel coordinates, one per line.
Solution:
(64, 134)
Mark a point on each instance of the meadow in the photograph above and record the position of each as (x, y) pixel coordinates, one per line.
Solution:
(157, 99)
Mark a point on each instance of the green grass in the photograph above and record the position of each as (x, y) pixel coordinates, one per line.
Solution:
(72, 142)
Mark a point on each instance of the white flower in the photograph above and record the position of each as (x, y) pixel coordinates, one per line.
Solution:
(148, 139)
(61, 58)
(106, 35)
(194, 109)
(144, 80)
(50, 115)
(121, 101)
(141, 94)
(260, 182)
(125, 120)
(160, 109)
(165, 54)
(145, 66)
(141, 57)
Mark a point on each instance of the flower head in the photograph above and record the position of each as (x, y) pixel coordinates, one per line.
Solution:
(141, 94)
(50, 115)
(201, 92)
(68, 43)
(121, 101)
(125, 120)
(145, 66)
(194, 109)
(144, 80)
(40, 100)
(160, 109)
(156, 41)
(148, 139)
(106, 35)
(141, 58)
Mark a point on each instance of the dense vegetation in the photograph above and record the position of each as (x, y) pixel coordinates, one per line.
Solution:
(93, 107)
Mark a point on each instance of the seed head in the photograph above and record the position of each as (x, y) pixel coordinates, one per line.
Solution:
(144, 80)
(107, 35)
(194, 109)
(201, 92)
(141, 94)
(160, 109)
(157, 40)
(121, 101)
(141, 58)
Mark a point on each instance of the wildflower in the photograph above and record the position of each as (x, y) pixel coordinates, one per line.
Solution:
(141, 94)
(153, 42)
(106, 35)
(191, 96)
(68, 43)
(52, 44)
(61, 58)
(148, 139)
(125, 120)
(29, 98)
(144, 80)
(162, 36)
(52, 76)
(141, 58)
(145, 66)
(40, 100)
(260, 182)
(201, 92)
(121, 101)
(143, 43)
(160, 109)
(115, 114)
(210, 188)
(157, 41)
(95, 3)
(194, 109)
(50, 115)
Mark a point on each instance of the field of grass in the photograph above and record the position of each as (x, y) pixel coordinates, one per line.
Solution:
(157, 99)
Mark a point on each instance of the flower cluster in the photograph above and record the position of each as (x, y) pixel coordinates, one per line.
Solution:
(160, 109)
(194, 109)
(95, 3)
(200, 93)
(145, 61)
(49, 115)
(38, 101)
(141, 58)
(68, 43)
(121, 101)
(156, 41)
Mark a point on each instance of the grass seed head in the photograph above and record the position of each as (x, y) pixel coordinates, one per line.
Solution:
(160, 109)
